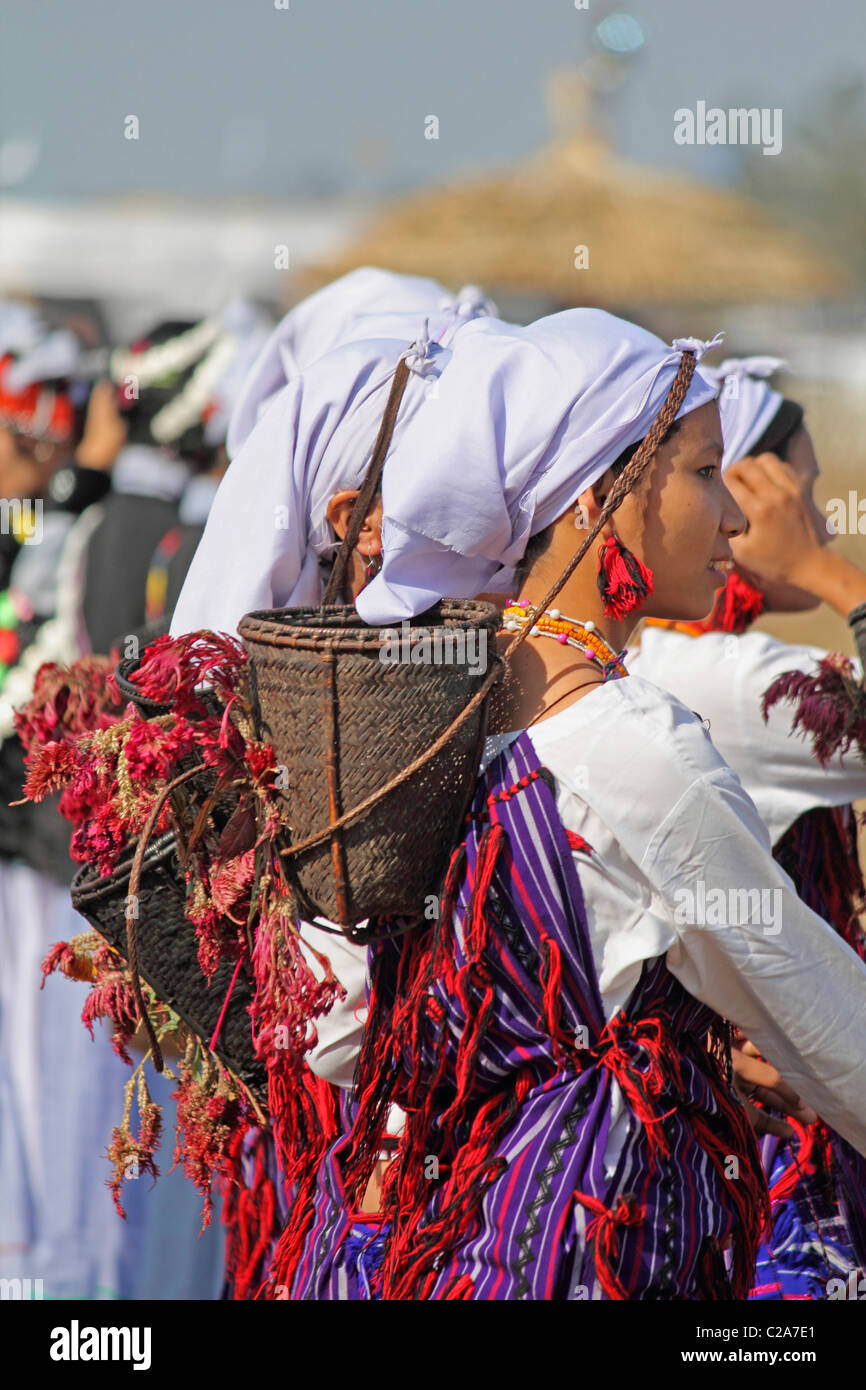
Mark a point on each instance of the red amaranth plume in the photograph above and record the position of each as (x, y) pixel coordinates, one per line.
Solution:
(51, 767)
(75, 964)
(173, 667)
(289, 997)
(132, 1155)
(113, 997)
(88, 957)
(152, 752)
(68, 701)
(830, 706)
(211, 1112)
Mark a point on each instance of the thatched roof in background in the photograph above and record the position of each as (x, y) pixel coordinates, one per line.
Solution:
(651, 236)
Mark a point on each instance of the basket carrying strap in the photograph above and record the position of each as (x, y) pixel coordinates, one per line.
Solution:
(369, 485)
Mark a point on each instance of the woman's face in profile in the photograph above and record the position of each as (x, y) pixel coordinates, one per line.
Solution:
(682, 518)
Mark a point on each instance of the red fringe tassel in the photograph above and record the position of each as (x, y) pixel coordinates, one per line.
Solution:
(623, 580)
(603, 1230)
(737, 606)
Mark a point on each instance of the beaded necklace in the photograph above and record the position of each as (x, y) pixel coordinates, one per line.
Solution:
(568, 632)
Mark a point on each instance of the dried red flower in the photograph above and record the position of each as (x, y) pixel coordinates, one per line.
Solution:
(830, 706)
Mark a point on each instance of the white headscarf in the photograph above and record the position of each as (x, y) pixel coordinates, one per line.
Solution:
(522, 422)
(21, 328)
(747, 404)
(39, 355)
(268, 530)
(246, 331)
(366, 303)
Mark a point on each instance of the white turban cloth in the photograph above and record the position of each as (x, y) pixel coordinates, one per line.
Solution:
(747, 404)
(522, 422)
(40, 355)
(366, 303)
(311, 433)
(268, 530)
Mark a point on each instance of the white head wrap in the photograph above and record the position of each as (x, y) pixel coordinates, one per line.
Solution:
(21, 328)
(268, 529)
(40, 355)
(499, 431)
(747, 404)
(366, 303)
(246, 329)
(523, 421)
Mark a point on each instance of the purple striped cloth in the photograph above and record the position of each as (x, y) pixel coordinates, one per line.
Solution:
(488, 1029)
(814, 1245)
(817, 1235)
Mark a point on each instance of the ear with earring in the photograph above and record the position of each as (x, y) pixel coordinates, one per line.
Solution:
(372, 565)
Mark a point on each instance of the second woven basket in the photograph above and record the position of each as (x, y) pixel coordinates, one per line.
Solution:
(348, 708)
(168, 959)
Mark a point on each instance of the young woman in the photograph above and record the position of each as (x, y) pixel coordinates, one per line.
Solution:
(722, 670)
(783, 564)
(300, 438)
(569, 1131)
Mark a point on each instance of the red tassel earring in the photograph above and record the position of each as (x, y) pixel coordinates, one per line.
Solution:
(623, 581)
(736, 607)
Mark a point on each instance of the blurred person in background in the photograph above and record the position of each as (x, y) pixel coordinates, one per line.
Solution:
(149, 478)
(782, 564)
(56, 450)
(59, 1095)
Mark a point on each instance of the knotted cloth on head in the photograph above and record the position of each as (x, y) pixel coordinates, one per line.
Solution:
(522, 422)
(31, 357)
(268, 531)
(747, 404)
(366, 303)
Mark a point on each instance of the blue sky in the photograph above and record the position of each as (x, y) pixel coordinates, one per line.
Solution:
(237, 96)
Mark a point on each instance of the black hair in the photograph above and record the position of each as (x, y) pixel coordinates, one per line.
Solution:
(780, 431)
(538, 544)
(139, 413)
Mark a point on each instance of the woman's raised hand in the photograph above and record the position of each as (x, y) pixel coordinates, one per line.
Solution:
(784, 540)
(756, 1080)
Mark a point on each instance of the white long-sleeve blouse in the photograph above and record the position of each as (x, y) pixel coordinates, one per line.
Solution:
(680, 866)
(723, 677)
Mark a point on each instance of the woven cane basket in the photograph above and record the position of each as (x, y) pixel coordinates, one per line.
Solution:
(151, 709)
(344, 722)
(123, 672)
(167, 954)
